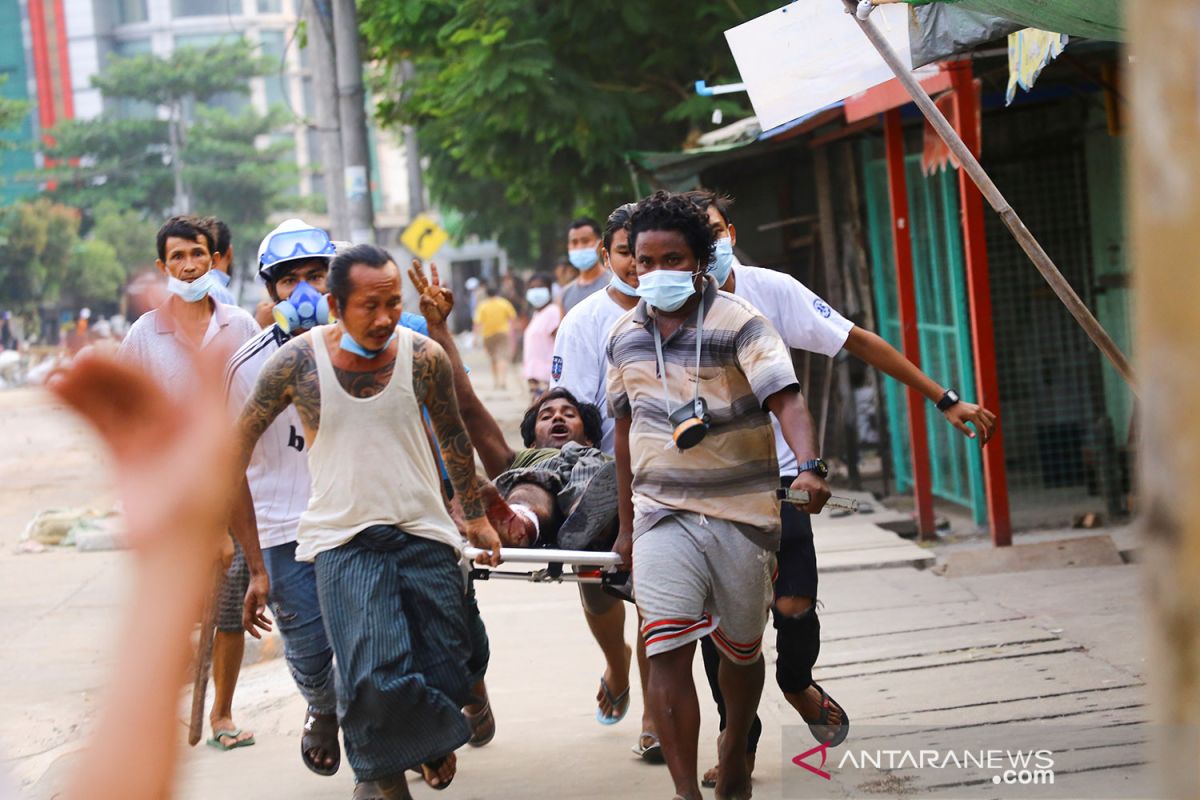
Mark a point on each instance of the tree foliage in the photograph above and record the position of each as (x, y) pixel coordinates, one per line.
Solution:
(232, 168)
(527, 109)
(12, 113)
(38, 240)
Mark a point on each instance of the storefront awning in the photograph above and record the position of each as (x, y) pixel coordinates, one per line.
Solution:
(1094, 19)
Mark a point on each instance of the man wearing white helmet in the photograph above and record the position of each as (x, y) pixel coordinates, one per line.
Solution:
(293, 261)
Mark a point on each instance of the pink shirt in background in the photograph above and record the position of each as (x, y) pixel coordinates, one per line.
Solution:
(539, 342)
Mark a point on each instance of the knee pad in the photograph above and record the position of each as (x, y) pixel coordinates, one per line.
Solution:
(798, 642)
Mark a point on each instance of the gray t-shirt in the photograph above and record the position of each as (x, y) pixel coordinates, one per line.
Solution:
(577, 292)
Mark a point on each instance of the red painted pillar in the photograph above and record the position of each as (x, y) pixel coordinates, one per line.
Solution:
(979, 291)
(906, 295)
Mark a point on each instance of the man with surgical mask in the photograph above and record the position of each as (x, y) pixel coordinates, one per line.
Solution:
(694, 377)
(293, 261)
(164, 342)
(583, 251)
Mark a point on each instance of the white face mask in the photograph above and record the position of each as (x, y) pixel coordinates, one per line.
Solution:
(192, 292)
(538, 296)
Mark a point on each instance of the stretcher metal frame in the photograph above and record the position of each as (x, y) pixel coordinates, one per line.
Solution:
(599, 564)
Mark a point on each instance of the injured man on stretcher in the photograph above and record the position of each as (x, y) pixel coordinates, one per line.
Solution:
(560, 491)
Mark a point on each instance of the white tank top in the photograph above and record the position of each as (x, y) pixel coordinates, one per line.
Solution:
(370, 461)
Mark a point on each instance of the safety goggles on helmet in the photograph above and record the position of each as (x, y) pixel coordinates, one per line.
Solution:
(296, 244)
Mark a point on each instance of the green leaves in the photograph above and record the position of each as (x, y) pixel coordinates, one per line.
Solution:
(233, 168)
(526, 108)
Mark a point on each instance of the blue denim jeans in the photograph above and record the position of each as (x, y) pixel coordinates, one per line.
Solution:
(297, 615)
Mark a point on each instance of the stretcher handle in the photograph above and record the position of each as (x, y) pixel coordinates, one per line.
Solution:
(524, 555)
(800, 497)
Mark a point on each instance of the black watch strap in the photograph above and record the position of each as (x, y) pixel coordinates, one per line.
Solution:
(948, 401)
(814, 465)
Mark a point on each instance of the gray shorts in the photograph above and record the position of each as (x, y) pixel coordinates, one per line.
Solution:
(694, 576)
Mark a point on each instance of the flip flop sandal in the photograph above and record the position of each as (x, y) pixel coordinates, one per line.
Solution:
(822, 725)
(217, 736)
(651, 753)
(620, 704)
(482, 724)
(430, 769)
(320, 733)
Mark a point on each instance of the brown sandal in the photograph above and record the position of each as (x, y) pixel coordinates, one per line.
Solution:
(483, 725)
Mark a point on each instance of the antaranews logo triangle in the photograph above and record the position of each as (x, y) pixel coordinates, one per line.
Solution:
(823, 749)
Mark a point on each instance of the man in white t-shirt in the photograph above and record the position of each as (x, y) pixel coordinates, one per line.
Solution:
(580, 365)
(806, 322)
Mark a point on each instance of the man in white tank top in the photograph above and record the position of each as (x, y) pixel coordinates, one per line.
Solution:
(385, 551)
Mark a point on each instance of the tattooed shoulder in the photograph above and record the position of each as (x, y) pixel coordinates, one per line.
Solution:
(431, 368)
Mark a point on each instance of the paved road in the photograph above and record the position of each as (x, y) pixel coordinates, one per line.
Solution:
(902, 647)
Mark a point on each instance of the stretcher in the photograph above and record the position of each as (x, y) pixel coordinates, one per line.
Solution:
(591, 567)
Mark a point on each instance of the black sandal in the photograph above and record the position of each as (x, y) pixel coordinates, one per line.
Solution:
(320, 733)
(482, 724)
(430, 769)
(821, 727)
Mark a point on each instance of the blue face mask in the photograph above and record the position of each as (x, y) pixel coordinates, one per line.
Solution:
(192, 292)
(304, 309)
(622, 287)
(349, 345)
(722, 262)
(583, 258)
(666, 290)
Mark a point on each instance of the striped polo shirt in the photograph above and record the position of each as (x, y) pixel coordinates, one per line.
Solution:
(733, 473)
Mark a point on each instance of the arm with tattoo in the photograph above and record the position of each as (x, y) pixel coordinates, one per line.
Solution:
(433, 384)
(289, 376)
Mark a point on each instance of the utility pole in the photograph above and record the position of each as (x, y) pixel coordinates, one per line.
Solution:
(412, 153)
(352, 113)
(329, 132)
(1165, 187)
(175, 143)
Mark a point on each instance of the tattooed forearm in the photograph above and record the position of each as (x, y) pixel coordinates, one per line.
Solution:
(289, 376)
(433, 383)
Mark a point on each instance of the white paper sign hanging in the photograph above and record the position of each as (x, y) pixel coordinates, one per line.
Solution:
(809, 54)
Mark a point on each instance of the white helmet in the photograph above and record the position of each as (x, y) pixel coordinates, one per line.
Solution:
(292, 240)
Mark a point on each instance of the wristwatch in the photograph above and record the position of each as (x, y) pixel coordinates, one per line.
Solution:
(816, 465)
(948, 401)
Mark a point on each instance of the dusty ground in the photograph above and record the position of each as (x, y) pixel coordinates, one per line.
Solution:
(903, 647)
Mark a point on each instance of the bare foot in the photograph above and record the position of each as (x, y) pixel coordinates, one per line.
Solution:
(709, 779)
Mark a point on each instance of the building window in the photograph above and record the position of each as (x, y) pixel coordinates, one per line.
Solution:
(270, 6)
(205, 8)
(124, 107)
(130, 11)
(277, 81)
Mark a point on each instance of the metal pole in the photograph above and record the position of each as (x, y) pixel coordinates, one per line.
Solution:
(325, 100)
(910, 336)
(412, 154)
(975, 170)
(352, 113)
(1164, 176)
(175, 142)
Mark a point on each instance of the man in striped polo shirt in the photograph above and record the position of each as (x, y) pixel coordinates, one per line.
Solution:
(692, 375)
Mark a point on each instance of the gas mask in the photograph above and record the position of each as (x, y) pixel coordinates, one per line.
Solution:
(304, 309)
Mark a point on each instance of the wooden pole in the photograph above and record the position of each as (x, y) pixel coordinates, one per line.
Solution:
(204, 654)
(975, 170)
(1165, 183)
(906, 301)
(979, 296)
